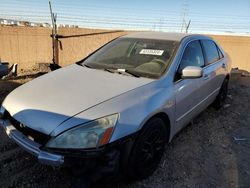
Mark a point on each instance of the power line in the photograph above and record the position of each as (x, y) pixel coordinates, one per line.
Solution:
(123, 19)
(120, 10)
(168, 20)
(125, 13)
(171, 22)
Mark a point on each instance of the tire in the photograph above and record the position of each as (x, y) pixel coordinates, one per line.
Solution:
(147, 150)
(221, 97)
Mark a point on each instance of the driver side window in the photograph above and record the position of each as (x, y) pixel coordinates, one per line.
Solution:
(192, 56)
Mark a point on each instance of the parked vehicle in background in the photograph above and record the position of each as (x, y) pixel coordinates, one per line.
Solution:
(119, 107)
(4, 69)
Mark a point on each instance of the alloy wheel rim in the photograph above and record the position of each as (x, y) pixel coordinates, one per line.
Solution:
(151, 150)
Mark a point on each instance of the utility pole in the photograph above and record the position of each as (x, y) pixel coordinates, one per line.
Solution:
(161, 22)
(54, 34)
(185, 13)
(187, 26)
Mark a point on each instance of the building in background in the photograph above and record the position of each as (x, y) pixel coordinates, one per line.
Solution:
(21, 23)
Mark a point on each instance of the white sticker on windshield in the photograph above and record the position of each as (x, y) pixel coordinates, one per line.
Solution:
(151, 52)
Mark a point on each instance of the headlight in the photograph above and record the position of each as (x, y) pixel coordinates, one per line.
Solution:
(90, 135)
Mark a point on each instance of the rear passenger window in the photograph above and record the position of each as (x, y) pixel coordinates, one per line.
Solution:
(192, 56)
(211, 51)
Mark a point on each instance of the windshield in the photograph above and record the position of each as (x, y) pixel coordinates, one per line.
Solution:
(142, 57)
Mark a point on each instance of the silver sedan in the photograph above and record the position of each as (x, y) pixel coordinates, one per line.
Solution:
(120, 106)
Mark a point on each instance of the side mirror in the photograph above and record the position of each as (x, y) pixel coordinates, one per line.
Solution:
(192, 72)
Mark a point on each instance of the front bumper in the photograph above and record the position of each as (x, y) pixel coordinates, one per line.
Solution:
(108, 158)
(31, 146)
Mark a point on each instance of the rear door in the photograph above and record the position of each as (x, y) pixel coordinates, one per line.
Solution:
(187, 91)
(213, 72)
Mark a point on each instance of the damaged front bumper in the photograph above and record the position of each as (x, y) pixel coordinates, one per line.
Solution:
(31, 146)
(104, 160)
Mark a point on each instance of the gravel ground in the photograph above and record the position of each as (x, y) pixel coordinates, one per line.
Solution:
(213, 151)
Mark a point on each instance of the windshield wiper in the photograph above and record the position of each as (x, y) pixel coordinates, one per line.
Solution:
(86, 65)
(122, 71)
(110, 70)
(83, 65)
(132, 73)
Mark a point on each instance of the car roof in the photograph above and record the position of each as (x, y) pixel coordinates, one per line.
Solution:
(161, 36)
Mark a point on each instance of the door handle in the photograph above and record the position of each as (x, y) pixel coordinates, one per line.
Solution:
(206, 77)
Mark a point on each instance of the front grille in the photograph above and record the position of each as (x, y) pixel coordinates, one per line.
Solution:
(36, 135)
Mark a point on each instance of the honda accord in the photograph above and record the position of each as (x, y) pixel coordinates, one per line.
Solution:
(120, 106)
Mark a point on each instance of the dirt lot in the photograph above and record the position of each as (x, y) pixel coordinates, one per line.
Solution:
(214, 151)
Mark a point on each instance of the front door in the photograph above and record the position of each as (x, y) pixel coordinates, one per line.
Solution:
(187, 91)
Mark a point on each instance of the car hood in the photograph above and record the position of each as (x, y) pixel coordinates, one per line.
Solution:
(46, 102)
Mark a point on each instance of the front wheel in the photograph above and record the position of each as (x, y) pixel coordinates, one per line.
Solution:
(221, 97)
(148, 149)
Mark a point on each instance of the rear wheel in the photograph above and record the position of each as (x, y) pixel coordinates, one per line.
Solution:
(220, 99)
(148, 149)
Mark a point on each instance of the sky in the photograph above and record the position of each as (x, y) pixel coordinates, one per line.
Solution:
(213, 16)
